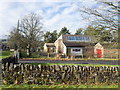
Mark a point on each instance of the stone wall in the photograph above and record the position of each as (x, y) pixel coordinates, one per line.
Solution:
(67, 74)
(9, 59)
(111, 53)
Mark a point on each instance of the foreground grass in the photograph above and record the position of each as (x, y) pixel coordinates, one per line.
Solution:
(59, 86)
(70, 64)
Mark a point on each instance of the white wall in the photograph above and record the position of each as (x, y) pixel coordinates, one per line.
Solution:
(45, 47)
(64, 48)
(56, 43)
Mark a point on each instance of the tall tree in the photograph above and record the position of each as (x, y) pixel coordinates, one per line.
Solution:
(63, 31)
(16, 38)
(79, 31)
(101, 34)
(47, 37)
(54, 36)
(105, 15)
(50, 37)
(31, 28)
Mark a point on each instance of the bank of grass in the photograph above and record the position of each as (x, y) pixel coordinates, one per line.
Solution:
(35, 56)
(70, 64)
(6, 54)
(54, 58)
(26, 86)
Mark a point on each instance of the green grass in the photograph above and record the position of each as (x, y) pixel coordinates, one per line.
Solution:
(33, 55)
(70, 64)
(60, 86)
(6, 54)
(54, 58)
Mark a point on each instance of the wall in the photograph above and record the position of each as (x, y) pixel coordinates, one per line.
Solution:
(9, 59)
(31, 74)
(110, 53)
(88, 52)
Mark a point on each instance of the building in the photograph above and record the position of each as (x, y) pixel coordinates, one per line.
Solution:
(77, 45)
(49, 47)
(3, 44)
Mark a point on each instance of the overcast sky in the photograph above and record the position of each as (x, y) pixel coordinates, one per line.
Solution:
(56, 14)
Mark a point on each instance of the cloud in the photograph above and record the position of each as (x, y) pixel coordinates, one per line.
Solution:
(55, 14)
(69, 17)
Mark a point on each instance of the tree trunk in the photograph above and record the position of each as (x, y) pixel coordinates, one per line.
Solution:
(28, 50)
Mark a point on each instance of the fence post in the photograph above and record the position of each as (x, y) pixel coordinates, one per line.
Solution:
(82, 56)
(48, 54)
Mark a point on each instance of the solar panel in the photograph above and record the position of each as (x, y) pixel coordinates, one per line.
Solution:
(78, 38)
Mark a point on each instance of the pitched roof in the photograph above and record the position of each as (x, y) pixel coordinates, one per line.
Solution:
(77, 43)
(50, 44)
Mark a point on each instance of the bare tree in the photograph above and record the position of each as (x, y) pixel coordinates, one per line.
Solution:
(106, 14)
(31, 28)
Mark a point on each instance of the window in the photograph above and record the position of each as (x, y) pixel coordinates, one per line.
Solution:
(76, 50)
(78, 38)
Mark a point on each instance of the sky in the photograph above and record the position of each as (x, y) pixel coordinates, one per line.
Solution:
(55, 13)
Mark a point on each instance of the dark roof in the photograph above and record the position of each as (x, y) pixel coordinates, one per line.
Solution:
(50, 44)
(77, 43)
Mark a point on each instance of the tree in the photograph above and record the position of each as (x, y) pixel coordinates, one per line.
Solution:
(79, 31)
(50, 37)
(16, 38)
(54, 36)
(63, 31)
(101, 34)
(103, 16)
(12, 38)
(31, 28)
(47, 37)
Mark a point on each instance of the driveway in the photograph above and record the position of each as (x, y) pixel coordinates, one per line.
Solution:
(107, 62)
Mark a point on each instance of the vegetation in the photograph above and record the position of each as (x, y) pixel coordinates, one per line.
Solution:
(69, 64)
(103, 19)
(50, 37)
(24, 56)
(79, 31)
(33, 55)
(30, 87)
(29, 34)
(6, 54)
(63, 31)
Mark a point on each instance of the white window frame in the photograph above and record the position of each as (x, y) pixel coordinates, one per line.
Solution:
(73, 52)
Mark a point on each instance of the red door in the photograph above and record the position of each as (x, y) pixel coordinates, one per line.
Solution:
(99, 53)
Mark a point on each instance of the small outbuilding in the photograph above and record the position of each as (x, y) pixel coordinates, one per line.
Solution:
(49, 47)
(98, 50)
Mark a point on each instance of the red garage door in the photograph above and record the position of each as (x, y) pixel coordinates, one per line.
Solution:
(99, 53)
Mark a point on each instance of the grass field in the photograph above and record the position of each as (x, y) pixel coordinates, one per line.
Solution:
(5, 54)
(35, 56)
(69, 64)
(26, 86)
